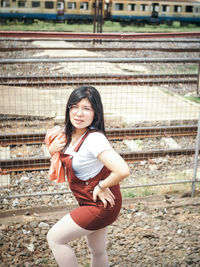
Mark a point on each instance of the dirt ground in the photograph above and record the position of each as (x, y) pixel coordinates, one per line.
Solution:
(159, 230)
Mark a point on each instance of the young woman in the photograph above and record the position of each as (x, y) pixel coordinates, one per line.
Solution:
(94, 171)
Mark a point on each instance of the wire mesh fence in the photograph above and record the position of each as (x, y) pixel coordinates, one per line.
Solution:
(40, 89)
(148, 105)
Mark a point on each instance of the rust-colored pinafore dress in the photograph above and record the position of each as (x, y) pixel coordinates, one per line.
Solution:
(90, 215)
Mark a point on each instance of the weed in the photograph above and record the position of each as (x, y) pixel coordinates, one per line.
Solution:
(108, 26)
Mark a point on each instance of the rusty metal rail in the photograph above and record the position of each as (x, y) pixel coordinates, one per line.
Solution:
(149, 40)
(122, 82)
(43, 163)
(103, 79)
(92, 76)
(4, 61)
(112, 134)
(97, 76)
(100, 49)
(71, 35)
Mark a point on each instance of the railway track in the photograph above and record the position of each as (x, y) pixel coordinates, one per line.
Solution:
(99, 49)
(112, 134)
(145, 40)
(100, 79)
(43, 162)
(96, 36)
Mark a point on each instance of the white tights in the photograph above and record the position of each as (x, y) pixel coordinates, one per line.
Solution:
(66, 230)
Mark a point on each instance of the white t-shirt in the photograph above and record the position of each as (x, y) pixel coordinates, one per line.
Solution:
(85, 163)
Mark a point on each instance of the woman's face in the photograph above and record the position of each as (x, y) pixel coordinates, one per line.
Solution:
(81, 114)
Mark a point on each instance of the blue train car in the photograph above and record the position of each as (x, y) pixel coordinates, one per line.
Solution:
(28, 11)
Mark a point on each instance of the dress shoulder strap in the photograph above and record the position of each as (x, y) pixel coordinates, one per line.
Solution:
(83, 138)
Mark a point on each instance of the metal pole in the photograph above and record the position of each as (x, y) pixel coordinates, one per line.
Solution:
(196, 159)
(101, 18)
(198, 81)
(101, 15)
(94, 18)
(98, 16)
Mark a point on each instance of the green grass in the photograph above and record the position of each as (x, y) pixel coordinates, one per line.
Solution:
(137, 192)
(195, 99)
(190, 69)
(107, 27)
(180, 68)
(159, 189)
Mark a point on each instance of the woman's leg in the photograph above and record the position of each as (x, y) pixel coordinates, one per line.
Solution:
(97, 245)
(59, 235)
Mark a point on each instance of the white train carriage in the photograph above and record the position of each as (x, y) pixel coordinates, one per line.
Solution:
(143, 12)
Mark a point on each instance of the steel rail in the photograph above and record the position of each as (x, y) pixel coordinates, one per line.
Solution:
(112, 134)
(96, 76)
(70, 35)
(100, 79)
(43, 163)
(95, 59)
(112, 49)
(159, 40)
(103, 83)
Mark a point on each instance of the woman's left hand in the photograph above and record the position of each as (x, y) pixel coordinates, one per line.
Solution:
(105, 195)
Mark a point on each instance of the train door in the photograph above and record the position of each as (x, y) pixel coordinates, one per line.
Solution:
(107, 9)
(60, 8)
(155, 10)
(5, 3)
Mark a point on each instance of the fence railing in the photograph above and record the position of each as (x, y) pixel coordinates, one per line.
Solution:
(136, 93)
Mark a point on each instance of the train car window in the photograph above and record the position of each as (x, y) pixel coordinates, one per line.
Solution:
(5, 3)
(131, 7)
(48, 4)
(84, 6)
(177, 9)
(189, 9)
(119, 6)
(165, 8)
(71, 5)
(22, 3)
(157, 8)
(35, 4)
(144, 7)
(60, 5)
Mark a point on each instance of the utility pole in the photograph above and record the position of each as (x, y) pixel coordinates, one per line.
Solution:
(98, 17)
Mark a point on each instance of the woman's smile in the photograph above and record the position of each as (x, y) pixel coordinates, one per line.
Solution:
(78, 121)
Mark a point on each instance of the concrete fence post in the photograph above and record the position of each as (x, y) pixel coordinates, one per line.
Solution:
(196, 159)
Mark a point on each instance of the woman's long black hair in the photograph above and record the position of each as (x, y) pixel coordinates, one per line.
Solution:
(94, 98)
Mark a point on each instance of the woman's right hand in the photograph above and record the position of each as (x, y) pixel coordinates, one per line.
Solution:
(105, 195)
(58, 144)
